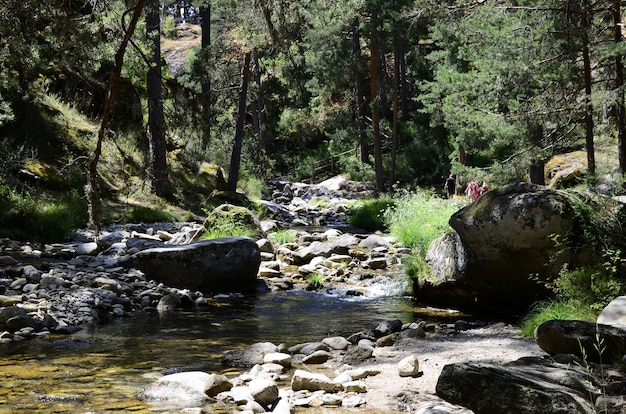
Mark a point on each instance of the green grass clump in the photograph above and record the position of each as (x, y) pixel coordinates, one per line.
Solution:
(370, 214)
(26, 216)
(419, 218)
(557, 309)
(141, 214)
(228, 226)
(283, 236)
(315, 281)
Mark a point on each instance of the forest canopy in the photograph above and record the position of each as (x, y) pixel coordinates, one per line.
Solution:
(399, 92)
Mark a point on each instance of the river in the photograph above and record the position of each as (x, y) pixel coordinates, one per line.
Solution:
(101, 369)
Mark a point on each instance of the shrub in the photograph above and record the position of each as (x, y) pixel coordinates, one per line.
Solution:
(370, 214)
(29, 217)
(283, 236)
(419, 218)
(142, 214)
(557, 309)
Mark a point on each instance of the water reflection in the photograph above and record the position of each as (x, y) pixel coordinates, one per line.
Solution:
(102, 369)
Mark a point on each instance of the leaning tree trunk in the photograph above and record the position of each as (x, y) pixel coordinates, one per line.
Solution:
(91, 189)
(157, 152)
(235, 160)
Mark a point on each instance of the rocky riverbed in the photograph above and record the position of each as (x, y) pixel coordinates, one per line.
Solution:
(58, 289)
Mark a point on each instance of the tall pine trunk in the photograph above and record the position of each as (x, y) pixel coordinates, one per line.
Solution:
(157, 151)
(396, 108)
(235, 159)
(620, 113)
(358, 92)
(259, 113)
(375, 101)
(588, 119)
(205, 43)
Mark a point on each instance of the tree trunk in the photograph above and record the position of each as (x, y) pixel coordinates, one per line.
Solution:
(91, 189)
(536, 171)
(375, 100)
(358, 92)
(620, 113)
(404, 89)
(205, 43)
(591, 158)
(396, 108)
(259, 116)
(235, 160)
(156, 122)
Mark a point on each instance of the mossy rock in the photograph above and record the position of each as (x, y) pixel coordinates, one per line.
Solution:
(211, 177)
(41, 172)
(230, 220)
(228, 197)
(566, 170)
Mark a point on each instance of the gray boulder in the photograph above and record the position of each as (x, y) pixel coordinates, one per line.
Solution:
(499, 242)
(218, 265)
(583, 339)
(529, 385)
(614, 313)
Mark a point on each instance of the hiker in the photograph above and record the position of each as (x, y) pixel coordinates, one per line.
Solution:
(472, 190)
(450, 186)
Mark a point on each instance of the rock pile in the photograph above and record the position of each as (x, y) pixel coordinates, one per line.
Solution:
(57, 288)
(281, 378)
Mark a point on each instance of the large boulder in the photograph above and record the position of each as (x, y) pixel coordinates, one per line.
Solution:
(529, 385)
(614, 313)
(220, 265)
(588, 340)
(503, 250)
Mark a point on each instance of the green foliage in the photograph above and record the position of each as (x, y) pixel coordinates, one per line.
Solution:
(252, 187)
(231, 221)
(283, 236)
(559, 309)
(593, 287)
(227, 227)
(169, 27)
(419, 218)
(370, 214)
(141, 214)
(26, 216)
(315, 281)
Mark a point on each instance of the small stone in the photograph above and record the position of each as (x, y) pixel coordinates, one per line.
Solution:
(317, 357)
(355, 386)
(409, 366)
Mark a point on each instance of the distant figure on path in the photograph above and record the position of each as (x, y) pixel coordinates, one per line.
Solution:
(450, 185)
(472, 191)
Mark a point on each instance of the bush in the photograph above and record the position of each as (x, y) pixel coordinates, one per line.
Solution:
(419, 218)
(26, 216)
(142, 214)
(370, 214)
(558, 309)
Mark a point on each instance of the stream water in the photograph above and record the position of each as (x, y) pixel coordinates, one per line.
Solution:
(102, 369)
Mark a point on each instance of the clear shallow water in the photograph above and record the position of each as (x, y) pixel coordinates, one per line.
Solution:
(102, 369)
